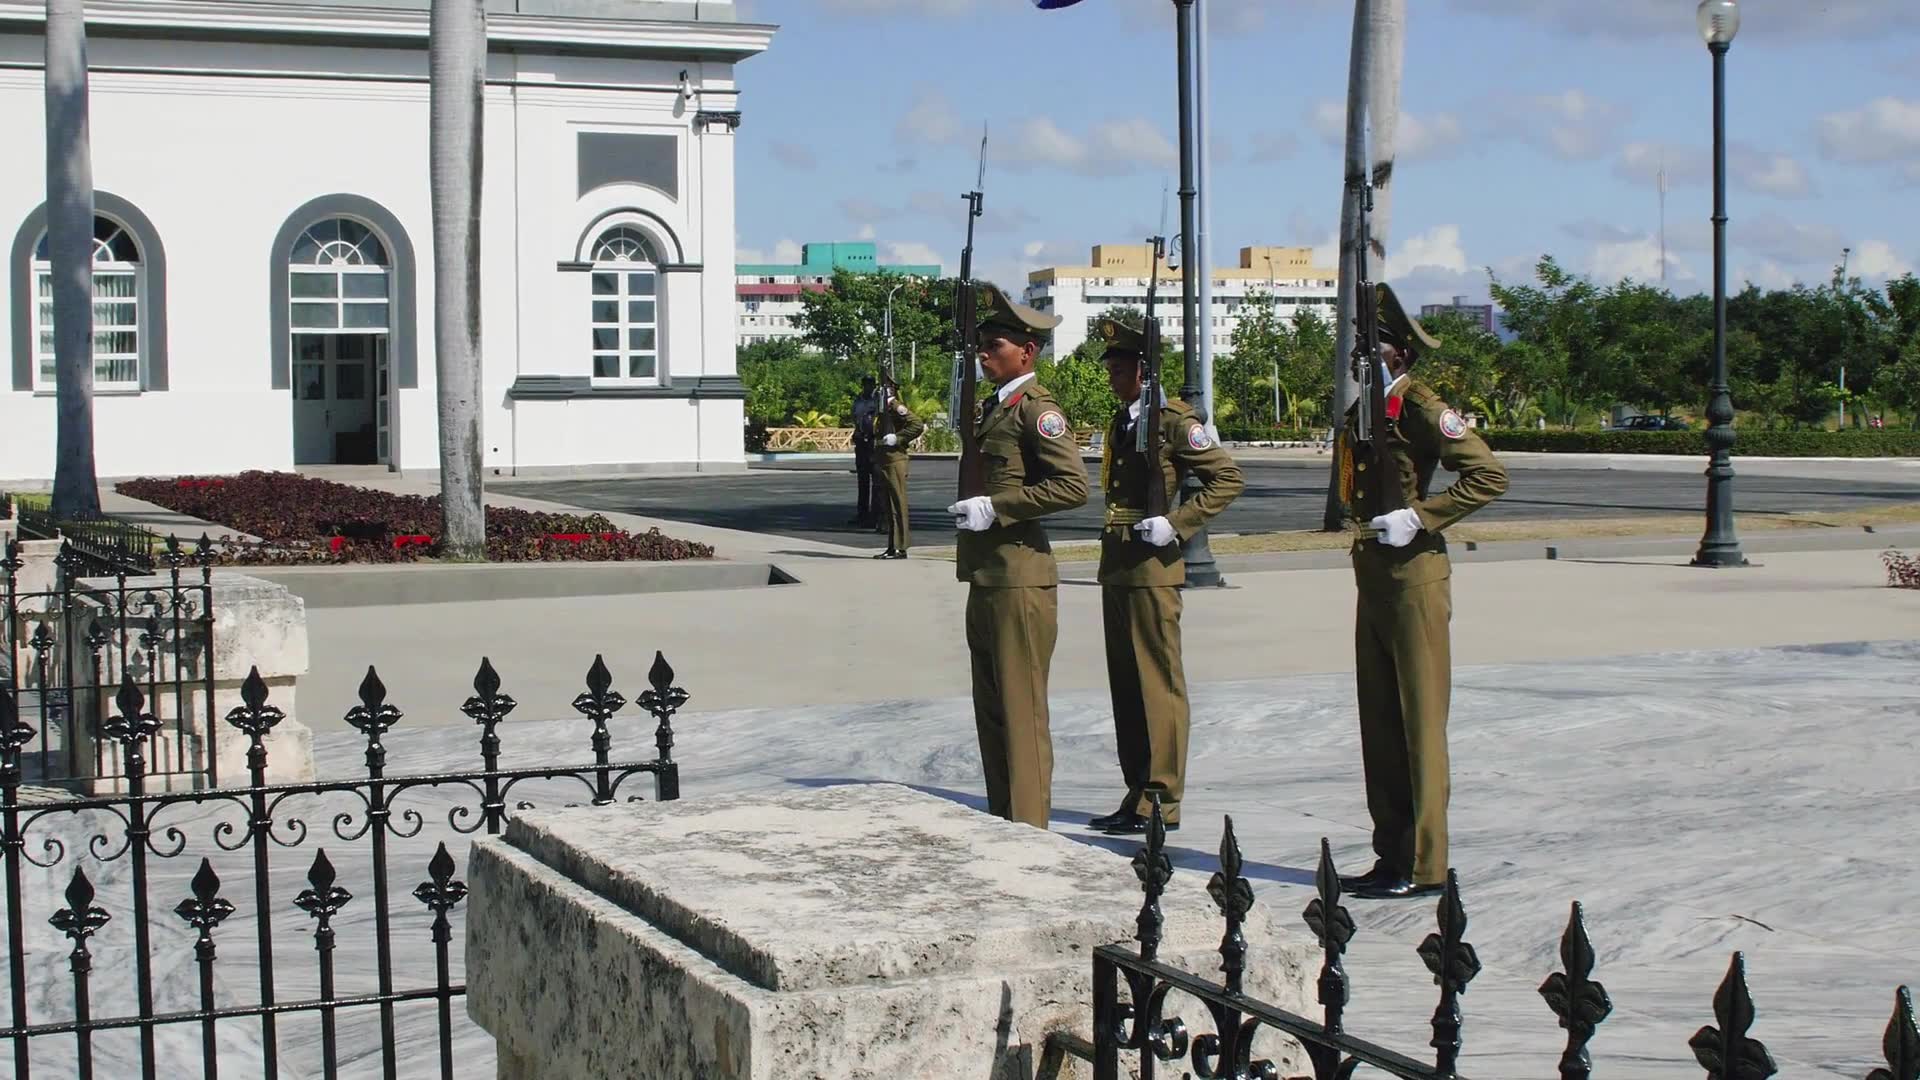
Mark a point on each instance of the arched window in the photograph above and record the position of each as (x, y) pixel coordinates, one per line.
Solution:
(338, 279)
(626, 320)
(117, 281)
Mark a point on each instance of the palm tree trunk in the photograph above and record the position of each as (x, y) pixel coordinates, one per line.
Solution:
(1373, 90)
(456, 62)
(76, 487)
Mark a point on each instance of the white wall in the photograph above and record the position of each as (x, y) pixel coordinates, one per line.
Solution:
(219, 164)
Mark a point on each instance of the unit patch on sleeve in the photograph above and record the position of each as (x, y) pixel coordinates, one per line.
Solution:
(1452, 426)
(1051, 424)
(1198, 438)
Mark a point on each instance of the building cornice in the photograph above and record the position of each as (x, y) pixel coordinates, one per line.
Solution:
(400, 28)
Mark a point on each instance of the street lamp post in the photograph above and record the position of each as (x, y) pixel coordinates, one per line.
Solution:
(1719, 20)
(1198, 554)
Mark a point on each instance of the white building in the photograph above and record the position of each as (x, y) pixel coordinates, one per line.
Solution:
(265, 248)
(1117, 277)
(769, 307)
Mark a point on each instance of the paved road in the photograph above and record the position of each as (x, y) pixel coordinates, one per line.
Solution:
(813, 500)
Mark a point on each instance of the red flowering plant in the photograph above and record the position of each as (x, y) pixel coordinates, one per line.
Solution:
(306, 520)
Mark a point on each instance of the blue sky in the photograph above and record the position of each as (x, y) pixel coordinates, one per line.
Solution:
(1528, 127)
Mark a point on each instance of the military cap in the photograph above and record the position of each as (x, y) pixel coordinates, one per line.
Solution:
(1399, 327)
(1120, 338)
(996, 310)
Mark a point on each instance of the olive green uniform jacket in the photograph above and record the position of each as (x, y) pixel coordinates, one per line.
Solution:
(1402, 647)
(1033, 468)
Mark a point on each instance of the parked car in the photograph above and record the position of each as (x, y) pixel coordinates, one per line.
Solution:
(1654, 423)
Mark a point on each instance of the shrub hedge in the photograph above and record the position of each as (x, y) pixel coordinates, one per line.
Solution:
(305, 520)
(1750, 443)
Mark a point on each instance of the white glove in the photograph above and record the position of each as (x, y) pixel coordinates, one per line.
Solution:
(1398, 528)
(890, 439)
(1157, 531)
(974, 515)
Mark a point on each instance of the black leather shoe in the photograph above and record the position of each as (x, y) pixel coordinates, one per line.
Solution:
(1397, 889)
(887, 554)
(1108, 821)
(1380, 874)
(1135, 825)
(901, 554)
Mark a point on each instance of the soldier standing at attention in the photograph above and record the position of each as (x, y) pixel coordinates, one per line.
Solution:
(1141, 572)
(890, 465)
(866, 406)
(1033, 469)
(1402, 653)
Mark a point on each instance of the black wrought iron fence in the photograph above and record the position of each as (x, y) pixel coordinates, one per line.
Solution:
(1131, 988)
(130, 836)
(105, 545)
(70, 640)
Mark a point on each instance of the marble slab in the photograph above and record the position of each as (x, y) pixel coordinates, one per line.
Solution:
(1696, 803)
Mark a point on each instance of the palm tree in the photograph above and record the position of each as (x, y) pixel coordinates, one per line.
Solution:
(456, 66)
(76, 486)
(1373, 93)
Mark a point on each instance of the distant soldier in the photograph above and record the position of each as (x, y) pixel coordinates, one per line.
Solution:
(866, 407)
(1402, 651)
(1033, 469)
(1141, 571)
(890, 463)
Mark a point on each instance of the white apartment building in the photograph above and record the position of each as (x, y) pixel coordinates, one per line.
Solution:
(1117, 277)
(264, 238)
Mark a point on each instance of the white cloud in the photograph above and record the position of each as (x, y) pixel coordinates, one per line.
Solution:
(793, 155)
(1877, 259)
(1886, 129)
(784, 251)
(866, 233)
(930, 120)
(1791, 243)
(865, 210)
(1639, 20)
(1108, 147)
(1572, 124)
(1750, 168)
(1436, 249)
(1637, 257)
(1766, 274)
(912, 252)
(1418, 136)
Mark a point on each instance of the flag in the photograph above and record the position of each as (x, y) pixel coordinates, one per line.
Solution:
(1050, 5)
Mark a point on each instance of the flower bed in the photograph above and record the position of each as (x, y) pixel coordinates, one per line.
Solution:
(303, 520)
(1903, 570)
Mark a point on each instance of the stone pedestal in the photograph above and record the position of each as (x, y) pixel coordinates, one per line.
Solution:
(256, 624)
(850, 933)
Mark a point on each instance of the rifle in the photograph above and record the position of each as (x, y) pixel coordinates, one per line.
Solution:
(1147, 430)
(1384, 490)
(973, 476)
(885, 422)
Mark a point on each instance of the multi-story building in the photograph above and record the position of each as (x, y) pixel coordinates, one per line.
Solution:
(228, 130)
(1480, 314)
(1117, 277)
(767, 295)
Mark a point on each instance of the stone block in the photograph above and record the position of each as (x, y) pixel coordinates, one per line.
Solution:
(849, 933)
(257, 625)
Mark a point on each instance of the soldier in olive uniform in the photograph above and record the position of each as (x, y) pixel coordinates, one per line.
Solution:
(890, 465)
(1402, 651)
(1032, 466)
(1141, 571)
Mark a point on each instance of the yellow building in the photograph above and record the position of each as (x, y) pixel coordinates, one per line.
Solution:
(1116, 276)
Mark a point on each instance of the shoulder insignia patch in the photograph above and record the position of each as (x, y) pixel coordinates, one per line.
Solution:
(1452, 426)
(1394, 407)
(1198, 438)
(1051, 424)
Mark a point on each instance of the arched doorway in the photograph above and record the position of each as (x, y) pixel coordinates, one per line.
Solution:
(340, 318)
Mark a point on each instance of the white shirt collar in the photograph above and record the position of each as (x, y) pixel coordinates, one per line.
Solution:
(1008, 388)
(1133, 407)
